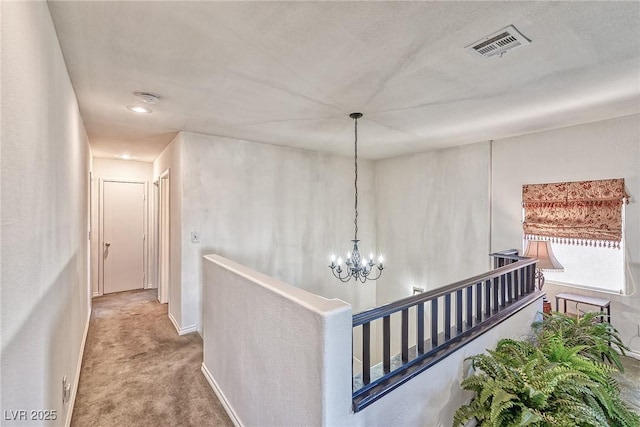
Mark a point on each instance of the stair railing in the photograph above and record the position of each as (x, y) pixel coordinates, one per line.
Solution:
(458, 313)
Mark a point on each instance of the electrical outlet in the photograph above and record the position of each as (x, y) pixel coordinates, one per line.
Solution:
(195, 237)
(66, 389)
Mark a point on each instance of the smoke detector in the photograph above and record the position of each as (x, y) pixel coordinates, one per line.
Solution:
(147, 97)
(496, 44)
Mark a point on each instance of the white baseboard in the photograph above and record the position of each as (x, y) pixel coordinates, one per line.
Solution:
(182, 331)
(175, 324)
(76, 382)
(188, 330)
(633, 354)
(223, 400)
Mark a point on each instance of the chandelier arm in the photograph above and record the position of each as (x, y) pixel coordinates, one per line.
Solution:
(379, 273)
(342, 278)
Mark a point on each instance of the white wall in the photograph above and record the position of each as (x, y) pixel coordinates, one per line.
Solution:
(600, 150)
(171, 159)
(278, 210)
(432, 218)
(119, 170)
(45, 173)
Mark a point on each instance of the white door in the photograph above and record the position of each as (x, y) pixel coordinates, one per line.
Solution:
(123, 236)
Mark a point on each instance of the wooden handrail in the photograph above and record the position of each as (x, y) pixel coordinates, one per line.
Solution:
(401, 304)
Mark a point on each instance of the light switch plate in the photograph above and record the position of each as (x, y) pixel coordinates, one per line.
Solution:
(195, 237)
(66, 389)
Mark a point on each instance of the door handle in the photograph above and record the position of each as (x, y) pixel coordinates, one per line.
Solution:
(107, 244)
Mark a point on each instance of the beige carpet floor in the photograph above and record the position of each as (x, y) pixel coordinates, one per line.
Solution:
(137, 371)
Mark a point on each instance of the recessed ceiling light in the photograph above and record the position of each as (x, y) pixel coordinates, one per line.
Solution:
(149, 98)
(138, 109)
(125, 156)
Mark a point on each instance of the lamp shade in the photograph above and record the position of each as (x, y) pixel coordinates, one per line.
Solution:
(541, 249)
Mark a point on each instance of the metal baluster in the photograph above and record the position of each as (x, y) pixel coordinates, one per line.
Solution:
(420, 314)
(513, 291)
(469, 320)
(405, 335)
(532, 277)
(447, 316)
(366, 353)
(459, 311)
(434, 322)
(386, 344)
(479, 302)
(487, 298)
(469, 306)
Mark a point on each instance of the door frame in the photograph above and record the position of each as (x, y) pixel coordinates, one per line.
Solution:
(163, 240)
(154, 234)
(145, 228)
(90, 238)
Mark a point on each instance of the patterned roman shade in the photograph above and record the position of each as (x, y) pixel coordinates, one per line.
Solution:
(584, 212)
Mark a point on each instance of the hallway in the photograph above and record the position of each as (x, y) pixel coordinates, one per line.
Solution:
(136, 370)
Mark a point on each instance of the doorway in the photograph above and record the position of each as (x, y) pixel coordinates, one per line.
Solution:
(122, 225)
(164, 238)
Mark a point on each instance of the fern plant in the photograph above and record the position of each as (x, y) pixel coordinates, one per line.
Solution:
(599, 339)
(520, 384)
(604, 395)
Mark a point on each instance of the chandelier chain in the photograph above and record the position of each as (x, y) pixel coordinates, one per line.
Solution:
(355, 221)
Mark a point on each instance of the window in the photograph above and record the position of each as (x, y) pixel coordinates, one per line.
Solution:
(584, 223)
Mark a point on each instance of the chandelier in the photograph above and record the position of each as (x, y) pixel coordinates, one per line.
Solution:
(356, 266)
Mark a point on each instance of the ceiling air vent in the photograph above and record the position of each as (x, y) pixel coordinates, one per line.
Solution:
(496, 44)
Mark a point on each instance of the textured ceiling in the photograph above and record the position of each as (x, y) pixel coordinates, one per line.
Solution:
(288, 73)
